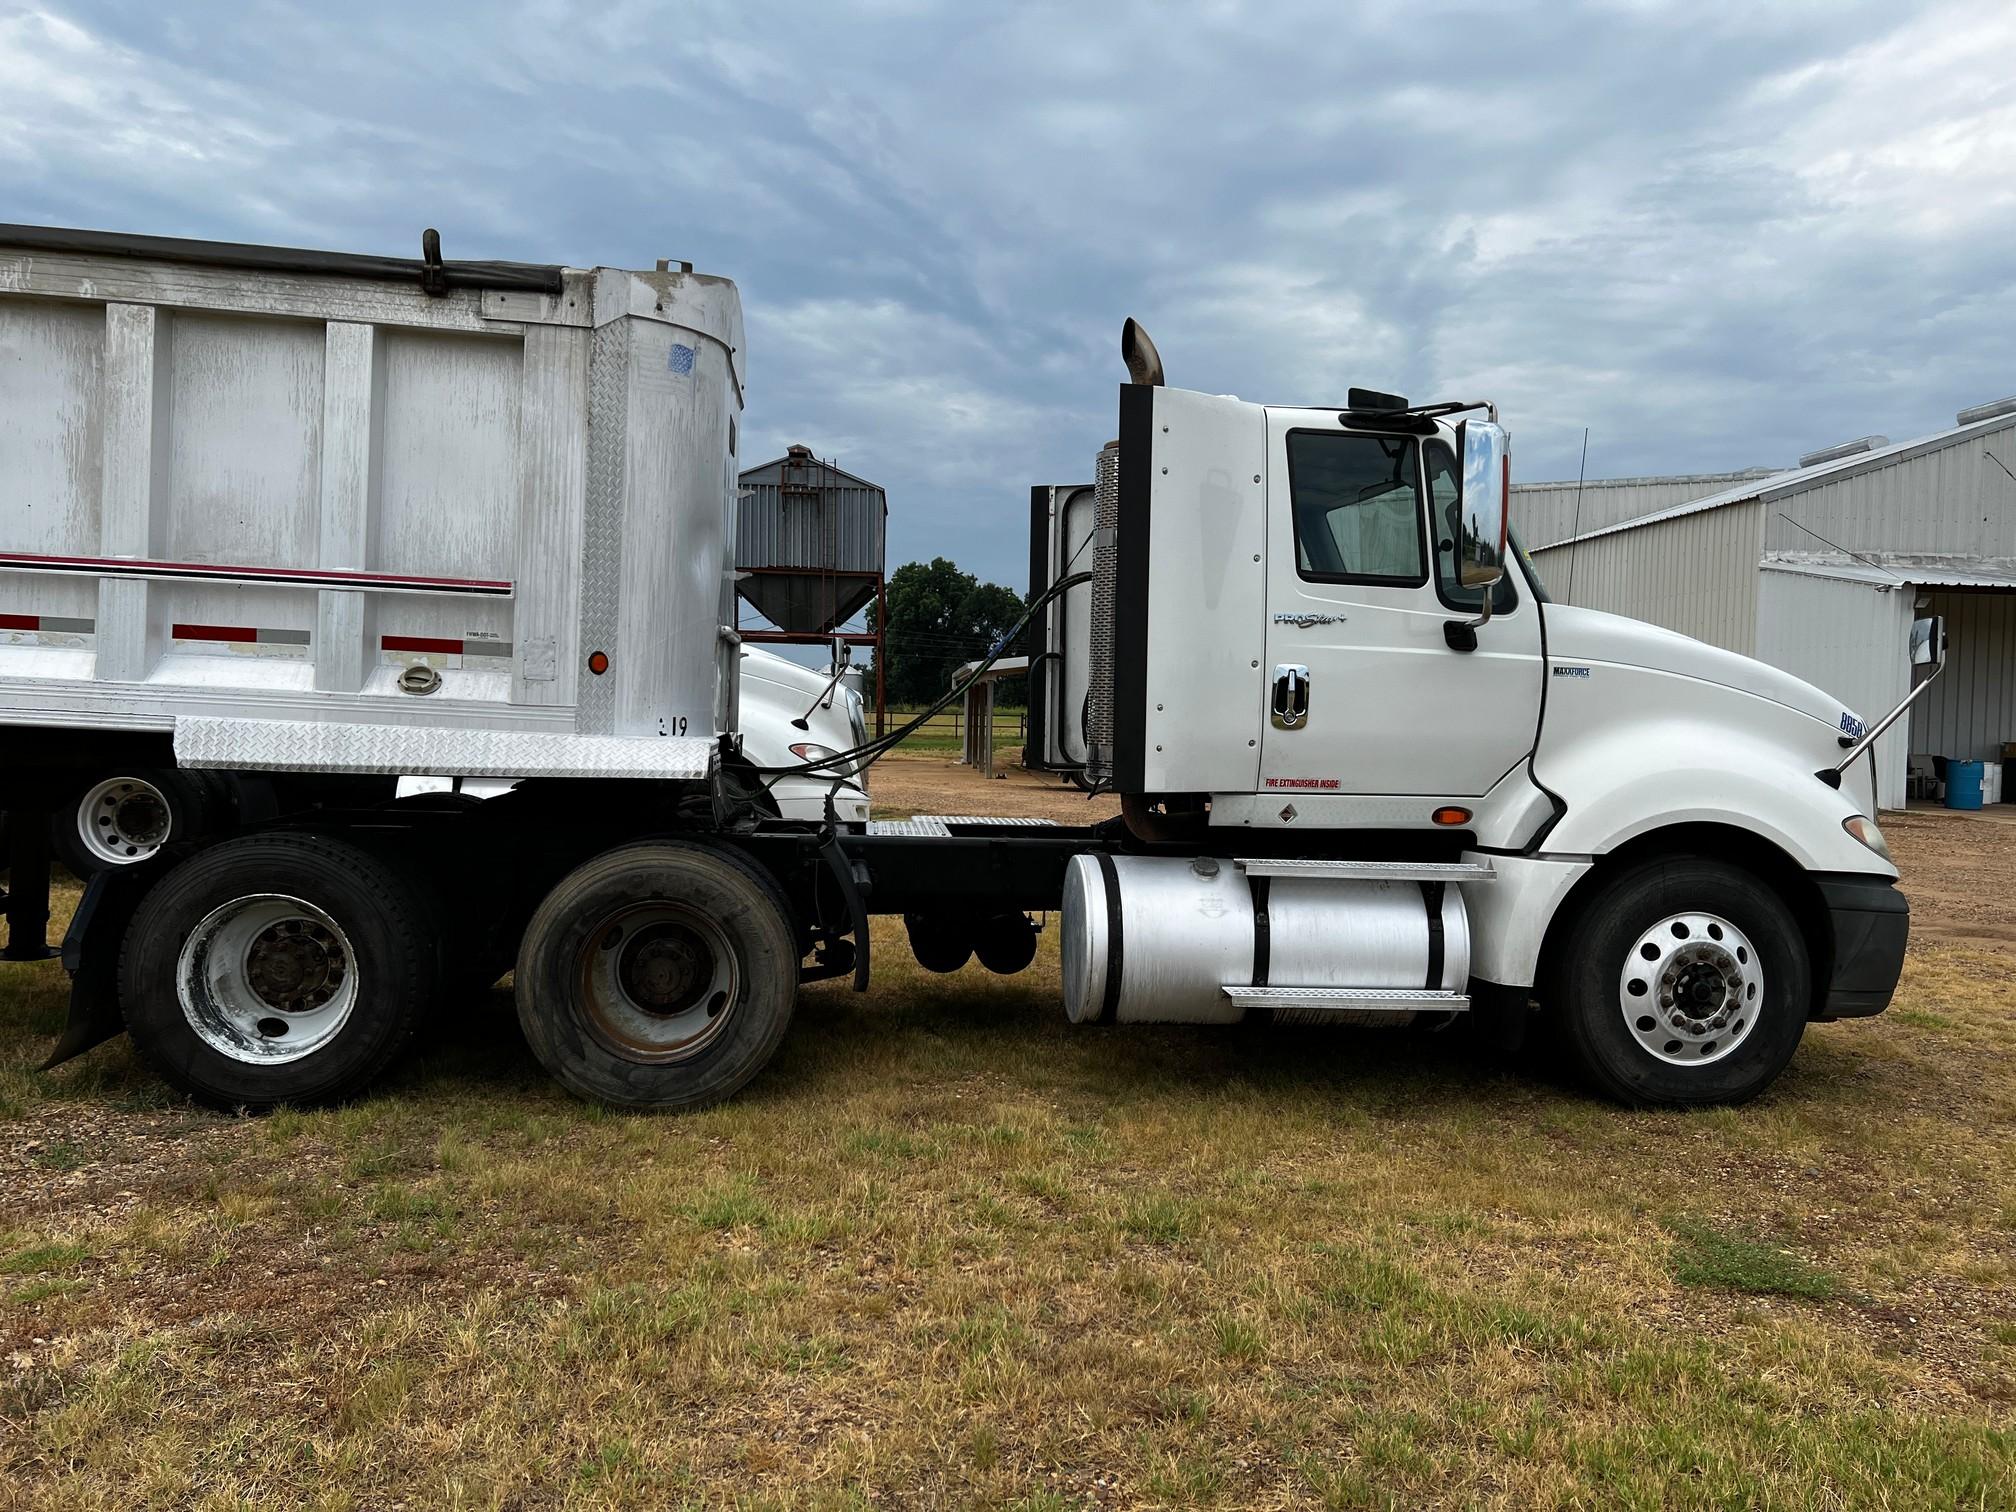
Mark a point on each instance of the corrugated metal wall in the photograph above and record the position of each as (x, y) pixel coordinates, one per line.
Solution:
(838, 527)
(1697, 574)
(1971, 710)
(1853, 640)
(1954, 501)
(1544, 513)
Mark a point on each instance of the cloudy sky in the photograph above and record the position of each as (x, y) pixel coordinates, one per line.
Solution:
(1717, 236)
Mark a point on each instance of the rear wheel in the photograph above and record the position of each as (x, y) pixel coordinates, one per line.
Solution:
(1685, 982)
(659, 975)
(275, 969)
(126, 818)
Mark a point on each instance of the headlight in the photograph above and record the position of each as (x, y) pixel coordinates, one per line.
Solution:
(809, 750)
(1868, 832)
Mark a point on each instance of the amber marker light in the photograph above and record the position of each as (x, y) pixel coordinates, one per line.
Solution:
(598, 662)
(1451, 816)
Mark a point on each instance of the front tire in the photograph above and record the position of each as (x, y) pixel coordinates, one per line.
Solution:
(658, 975)
(1685, 982)
(276, 969)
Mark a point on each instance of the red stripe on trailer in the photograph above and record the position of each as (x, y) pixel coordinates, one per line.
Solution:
(421, 643)
(214, 633)
(20, 622)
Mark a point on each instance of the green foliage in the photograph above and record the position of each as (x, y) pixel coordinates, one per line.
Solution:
(939, 619)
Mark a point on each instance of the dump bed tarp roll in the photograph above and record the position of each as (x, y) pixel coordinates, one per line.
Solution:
(176, 249)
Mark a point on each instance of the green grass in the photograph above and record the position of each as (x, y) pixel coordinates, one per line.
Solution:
(1705, 1256)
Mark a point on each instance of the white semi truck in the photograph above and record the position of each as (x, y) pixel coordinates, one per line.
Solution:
(283, 526)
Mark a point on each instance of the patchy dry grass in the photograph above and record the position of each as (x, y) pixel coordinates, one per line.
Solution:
(951, 1250)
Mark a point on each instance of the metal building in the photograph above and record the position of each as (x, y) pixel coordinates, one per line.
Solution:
(1820, 570)
(810, 553)
(1543, 512)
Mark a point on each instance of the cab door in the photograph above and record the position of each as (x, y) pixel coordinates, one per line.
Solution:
(1367, 694)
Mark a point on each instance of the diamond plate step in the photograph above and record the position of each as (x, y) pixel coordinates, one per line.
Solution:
(1370, 871)
(940, 825)
(1352, 999)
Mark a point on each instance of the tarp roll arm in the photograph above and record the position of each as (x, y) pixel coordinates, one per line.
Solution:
(531, 277)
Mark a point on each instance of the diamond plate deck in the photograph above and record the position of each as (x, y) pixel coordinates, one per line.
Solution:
(300, 745)
(940, 825)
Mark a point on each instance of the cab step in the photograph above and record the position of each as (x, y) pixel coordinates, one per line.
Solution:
(1369, 871)
(1352, 999)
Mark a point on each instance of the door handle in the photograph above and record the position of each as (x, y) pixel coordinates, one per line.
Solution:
(1291, 696)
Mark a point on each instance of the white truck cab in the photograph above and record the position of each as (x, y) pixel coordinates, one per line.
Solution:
(1308, 634)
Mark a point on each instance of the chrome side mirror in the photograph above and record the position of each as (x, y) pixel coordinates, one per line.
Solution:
(1483, 505)
(1928, 647)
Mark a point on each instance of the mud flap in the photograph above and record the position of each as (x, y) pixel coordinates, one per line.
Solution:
(91, 956)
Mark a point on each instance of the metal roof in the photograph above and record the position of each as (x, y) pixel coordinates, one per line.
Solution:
(1799, 479)
(1878, 573)
(1737, 475)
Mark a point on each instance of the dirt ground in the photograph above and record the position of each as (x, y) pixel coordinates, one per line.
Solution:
(1957, 870)
(1957, 867)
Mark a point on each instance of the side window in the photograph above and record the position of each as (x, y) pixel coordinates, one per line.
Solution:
(1357, 504)
(1439, 462)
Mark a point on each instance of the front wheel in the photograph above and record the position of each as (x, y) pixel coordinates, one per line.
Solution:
(1684, 982)
(659, 975)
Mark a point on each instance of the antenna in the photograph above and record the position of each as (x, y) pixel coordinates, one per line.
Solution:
(1575, 530)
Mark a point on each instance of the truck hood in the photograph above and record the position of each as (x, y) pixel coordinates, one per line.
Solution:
(1589, 635)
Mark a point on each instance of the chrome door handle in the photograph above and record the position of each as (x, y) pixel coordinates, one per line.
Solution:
(1291, 696)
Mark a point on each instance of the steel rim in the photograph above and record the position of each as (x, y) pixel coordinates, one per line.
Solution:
(659, 982)
(124, 820)
(1691, 989)
(266, 978)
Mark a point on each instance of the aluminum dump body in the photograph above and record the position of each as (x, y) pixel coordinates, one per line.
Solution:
(319, 512)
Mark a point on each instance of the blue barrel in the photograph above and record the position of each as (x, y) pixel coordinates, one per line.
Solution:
(1963, 784)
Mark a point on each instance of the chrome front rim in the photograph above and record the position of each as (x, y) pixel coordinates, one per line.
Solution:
(1691, 989)
(266, 978)
(659, 982)
(123, 820)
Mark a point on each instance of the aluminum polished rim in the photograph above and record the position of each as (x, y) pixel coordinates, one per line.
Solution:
(1691, 989)
(659, 982)
(265, 979)
(123, 820)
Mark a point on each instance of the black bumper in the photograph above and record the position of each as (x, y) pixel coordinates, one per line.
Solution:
(1871, 920)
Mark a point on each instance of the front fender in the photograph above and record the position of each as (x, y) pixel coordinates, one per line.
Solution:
(1638, 775)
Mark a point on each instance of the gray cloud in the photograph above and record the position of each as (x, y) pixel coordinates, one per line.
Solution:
(1716, 239)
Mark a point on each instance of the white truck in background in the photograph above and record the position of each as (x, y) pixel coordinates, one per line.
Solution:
(288, 525)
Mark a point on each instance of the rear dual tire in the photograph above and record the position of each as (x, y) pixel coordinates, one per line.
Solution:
(660, 975)
(276, 969)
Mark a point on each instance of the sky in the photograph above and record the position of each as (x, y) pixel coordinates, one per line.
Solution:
(1714, 235)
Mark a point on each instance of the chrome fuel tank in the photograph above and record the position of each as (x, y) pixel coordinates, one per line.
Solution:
(1156, 939)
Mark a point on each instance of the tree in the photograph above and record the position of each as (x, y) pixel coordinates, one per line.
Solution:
(939, 619)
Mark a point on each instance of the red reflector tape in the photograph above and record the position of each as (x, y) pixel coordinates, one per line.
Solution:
(20, 622)
(422, 643)
(214, 633)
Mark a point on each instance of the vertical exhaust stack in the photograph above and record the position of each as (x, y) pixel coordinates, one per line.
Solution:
(1137, 350)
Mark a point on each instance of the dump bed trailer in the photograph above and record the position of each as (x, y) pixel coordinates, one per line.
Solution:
(294, 522)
